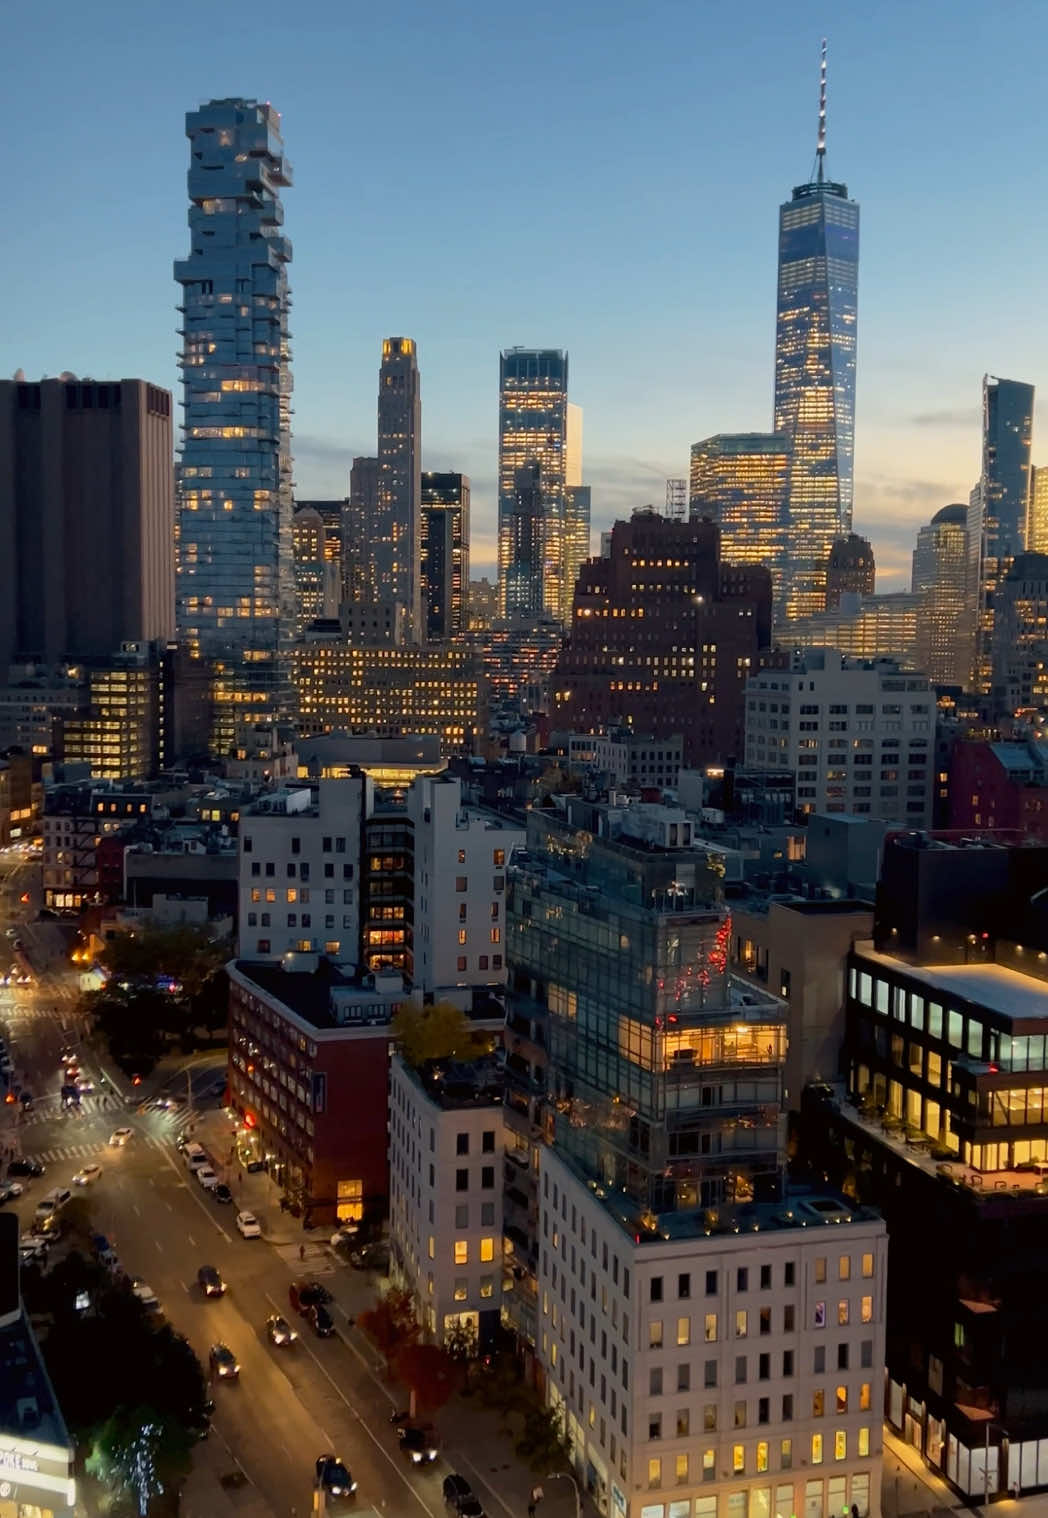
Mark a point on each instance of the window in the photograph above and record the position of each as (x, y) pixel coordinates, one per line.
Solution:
(738, 1459)
(867, 1309)
(788, 1273)
(487, 1177)
(765, 1278)
(739, 1415)
(819, 1315)
(461, 1180)
(461, 1213)
(740, 1370)
(655, 1382)
(765, 1320)
(820, 1268)
(742, 1277)
(683, 1422)
(654, 1472)
(684, 1376)
(762, 1455)
(487, 1250)
(818, 1359)
(842, 1399)
(711, 1283)
(864, 1442)
(816, 1449)
(460, 963)
(683, 1331)
(787, 1408)
(655, 1334)
(864, 1397)
(709, 1417)
(709, 1377)
(487, 1141)
(787, 1362)
(843, 1312)
(710, 1328)
(818, 1403)
(844, 1268)
(741, 1323)
(788, 1316)
(655, 1289)
(840, 1445)
(867, 1265)
(866, 1354)
(654, 1425)
(461, 883)
(763, 1367)
(786, 1458)
(842, 1357)
(462, 1143)
(684, 1286)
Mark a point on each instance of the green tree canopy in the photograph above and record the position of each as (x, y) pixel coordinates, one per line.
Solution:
(441, 1031)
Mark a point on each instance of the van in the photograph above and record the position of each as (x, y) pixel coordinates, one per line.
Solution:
(195, 1156)
(206, 1177)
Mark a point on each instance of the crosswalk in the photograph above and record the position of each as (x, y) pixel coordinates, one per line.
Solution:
(49, 1109)
(56, 1153)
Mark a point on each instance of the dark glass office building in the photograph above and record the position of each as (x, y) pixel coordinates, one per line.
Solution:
(533, 413)
(1000, 502)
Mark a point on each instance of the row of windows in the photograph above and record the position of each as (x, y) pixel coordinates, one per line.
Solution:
(745, 1320)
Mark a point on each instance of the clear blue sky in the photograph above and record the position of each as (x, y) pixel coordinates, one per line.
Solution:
(602, 177)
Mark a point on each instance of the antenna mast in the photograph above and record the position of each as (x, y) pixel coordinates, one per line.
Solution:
(820, 151)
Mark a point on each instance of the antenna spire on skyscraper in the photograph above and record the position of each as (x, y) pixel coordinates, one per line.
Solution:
(820, 150)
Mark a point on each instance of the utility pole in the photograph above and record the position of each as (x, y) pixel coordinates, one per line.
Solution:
(567, 1476)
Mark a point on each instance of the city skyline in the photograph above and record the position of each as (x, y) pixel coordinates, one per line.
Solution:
(917, 442)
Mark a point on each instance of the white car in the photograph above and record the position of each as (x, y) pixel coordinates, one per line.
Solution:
(249, 1225)
(207, 1177)
(86, 1174)
(145, 1294)
(119, 1137)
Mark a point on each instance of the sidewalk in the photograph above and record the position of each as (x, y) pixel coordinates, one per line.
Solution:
(217, 1488)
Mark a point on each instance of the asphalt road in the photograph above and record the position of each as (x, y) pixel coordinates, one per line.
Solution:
(290, 1405)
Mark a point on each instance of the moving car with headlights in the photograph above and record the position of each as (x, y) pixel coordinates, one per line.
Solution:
(119, 1137)
(210, 1282)
(145, 1294)
(321, 1322)
(333, 1479)
(86, 1174)
(419, 1442)
(280, 1331)
(249, 1226)
(223, 1363)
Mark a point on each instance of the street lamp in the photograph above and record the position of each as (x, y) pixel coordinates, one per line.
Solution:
(986, 1460)
(567, 1476)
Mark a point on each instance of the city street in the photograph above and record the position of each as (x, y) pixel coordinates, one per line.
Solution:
(290, 1405)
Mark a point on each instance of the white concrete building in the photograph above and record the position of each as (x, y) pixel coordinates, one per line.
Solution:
(718, 1373)
(299, 889)
(445, 1194)
(860, 736)
(461, 855)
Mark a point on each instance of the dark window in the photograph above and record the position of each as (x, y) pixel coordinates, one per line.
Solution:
(462, 1143)
(656, 1289)
(461, 1180)
(742, 1277)
(765, 1278)
(487, 1177)
(325, 844)
(788, 1273)
(296, 845)
(684, 1286)
(762, 1410)
(487, 1141)
(787, 1408)
(711, 1283)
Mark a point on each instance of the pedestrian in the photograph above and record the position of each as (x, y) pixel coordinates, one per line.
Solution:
(537, 1495)
(302, 1251)
(531, 1509)
(1016, 1490)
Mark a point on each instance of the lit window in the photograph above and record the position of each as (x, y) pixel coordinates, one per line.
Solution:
(867, 1309)
(762, 1456)
(867, 1265)
(738, 1458)
(864, 1442)
(655, 1472)
(710, 1328)
(844, 1267)
(461, 1251)
(840, 1445)
(842, 1399)
(683, 1330)
(842, 1313)
(741, 1323)
(816, 1449)
(487, 1250)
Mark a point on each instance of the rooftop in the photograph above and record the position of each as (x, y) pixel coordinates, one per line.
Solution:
(309, 994)
(1013, 995)
(459, 1084)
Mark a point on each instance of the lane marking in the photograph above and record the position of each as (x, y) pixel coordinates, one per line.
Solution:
(357, 1418)
(199, 1200)
(191, 1239)
(460, 1460)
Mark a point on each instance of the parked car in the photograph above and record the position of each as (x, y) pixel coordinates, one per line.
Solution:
(280, 1331)
(371, 1257)
(221, 1193)
(321, 1322)
(210, 1281)
(460, 1497)
(207, 1178)
(223, 1363)
(29, 1169)
(145, 1294)
(305, 1294)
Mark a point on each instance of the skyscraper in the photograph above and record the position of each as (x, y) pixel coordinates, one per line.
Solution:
(357, 566)
(1020, 636)
(815, 368)
(394, 535)
(86, 519)
(445, 556)
(235, 586)
(533, 446)
(941, 577)
(1000, 502)
(740, 480)
(1037, 515)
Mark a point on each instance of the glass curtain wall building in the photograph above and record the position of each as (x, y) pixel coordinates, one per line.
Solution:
(394, 531)
(445, 556)
(235, 589)
(997, 521)
(815, 335)
(741, 481)
(942, 583)
(665, 1084)
(533, 445)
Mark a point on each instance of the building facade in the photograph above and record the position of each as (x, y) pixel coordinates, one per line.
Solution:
(815, 339)
(533, 439)
(235, 600)
(318, 569)
(998, 787)
(577, 510)
(308, 1073)
(942, 579)
(850, 569)
(120, 735)
(461, 855)
(300, 853)
(997, 517)
(394, 529)
(859, 735)
(357, 566)
(864, 627)
(1019, 663)
(444, 556)
(87, 526)
(663, 638)
(741, 482)
(445, 1212)
(391, 691)
(1037, 515)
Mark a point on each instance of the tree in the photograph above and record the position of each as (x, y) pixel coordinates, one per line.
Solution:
(141, 1452)
(430, 1374)
(184, 953)
(391, 1324)
(441, 1031)
(542, 1442)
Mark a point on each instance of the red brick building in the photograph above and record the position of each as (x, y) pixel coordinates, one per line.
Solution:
(999, 785)
(309, 1075)
(664, 637)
